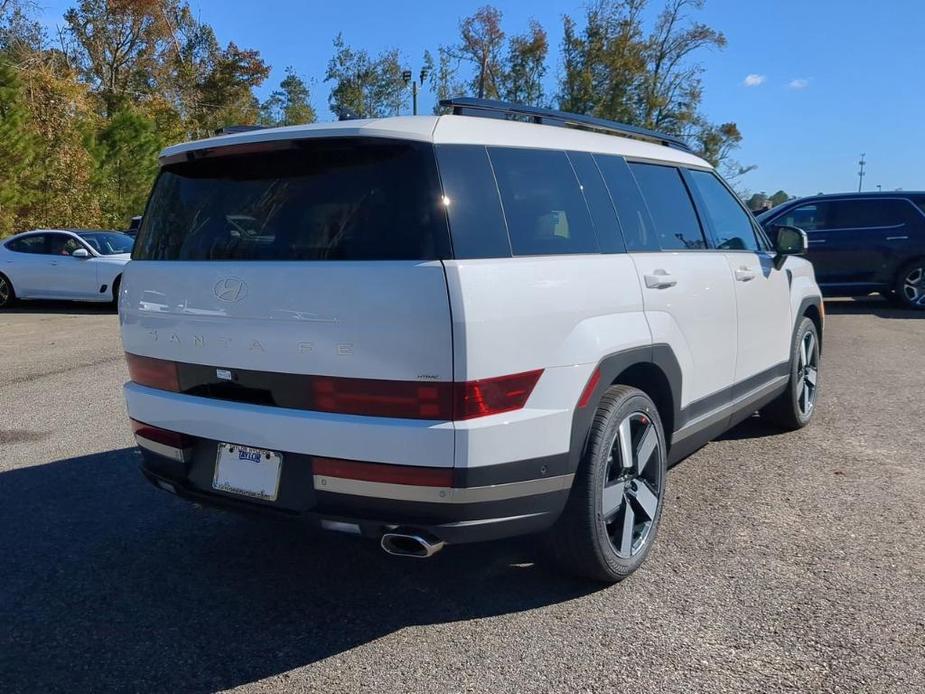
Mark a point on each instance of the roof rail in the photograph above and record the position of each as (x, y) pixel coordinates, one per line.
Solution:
(232, 129)
(489, 108)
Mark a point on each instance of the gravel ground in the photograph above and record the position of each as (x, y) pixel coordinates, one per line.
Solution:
(784, 563)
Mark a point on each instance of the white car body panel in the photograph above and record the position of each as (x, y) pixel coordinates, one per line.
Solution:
(696, 317)
(61, 277)
(764, 313)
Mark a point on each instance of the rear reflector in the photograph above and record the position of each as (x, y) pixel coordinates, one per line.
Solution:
(161, 441)
(154, 373)
(388, 474)
(589, 389)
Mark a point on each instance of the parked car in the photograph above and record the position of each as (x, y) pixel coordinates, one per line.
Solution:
(457, 328)
(860, 243)
(63, 264)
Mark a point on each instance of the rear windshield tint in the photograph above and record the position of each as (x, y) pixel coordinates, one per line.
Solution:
(321, 199)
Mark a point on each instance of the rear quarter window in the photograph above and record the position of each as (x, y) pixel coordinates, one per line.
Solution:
(320, 199)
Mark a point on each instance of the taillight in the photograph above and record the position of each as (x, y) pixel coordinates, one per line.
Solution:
(409, 399)
(374, 398)
(494, 395)
(389, 474)
(154, 373)
(164, 437)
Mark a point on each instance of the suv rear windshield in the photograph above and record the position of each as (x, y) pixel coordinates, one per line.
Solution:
(320, 199)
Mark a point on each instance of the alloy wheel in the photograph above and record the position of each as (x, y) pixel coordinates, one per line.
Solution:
(807, 373)
(632, 484)
(4, 291)
(914, 287)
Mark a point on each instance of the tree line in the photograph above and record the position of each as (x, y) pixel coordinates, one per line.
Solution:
(85, 111)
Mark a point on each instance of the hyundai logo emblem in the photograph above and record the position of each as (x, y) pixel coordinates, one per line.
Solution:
(230, 289)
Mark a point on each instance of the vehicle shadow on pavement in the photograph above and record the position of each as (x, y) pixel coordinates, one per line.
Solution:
(110, 584)
(79, 308)
(870, 306)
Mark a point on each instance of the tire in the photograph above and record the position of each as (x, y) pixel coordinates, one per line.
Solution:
(909, 289)
(116, 283)
(612, 515)
(794, 408)
(7, 293)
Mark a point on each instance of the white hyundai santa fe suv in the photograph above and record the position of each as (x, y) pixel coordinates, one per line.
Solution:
(444, 329)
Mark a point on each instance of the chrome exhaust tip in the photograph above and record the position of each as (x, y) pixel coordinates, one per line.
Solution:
(410, 543)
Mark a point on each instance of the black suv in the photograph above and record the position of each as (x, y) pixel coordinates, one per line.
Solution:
(861, 243)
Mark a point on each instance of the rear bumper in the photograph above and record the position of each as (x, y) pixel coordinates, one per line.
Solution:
(453, 514)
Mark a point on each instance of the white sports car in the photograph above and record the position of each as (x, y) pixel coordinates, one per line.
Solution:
(60, 264)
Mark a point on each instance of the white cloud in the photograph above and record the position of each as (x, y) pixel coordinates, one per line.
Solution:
(754, 80)
(798, 83)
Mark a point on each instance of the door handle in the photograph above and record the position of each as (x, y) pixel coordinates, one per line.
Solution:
(897, 238)
(744, 274)
(659, 279)
(816, 241)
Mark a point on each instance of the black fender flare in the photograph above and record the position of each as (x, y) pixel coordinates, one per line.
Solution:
(610, 367)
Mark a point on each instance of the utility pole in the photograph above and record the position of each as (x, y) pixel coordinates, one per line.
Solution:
(861, 171)
(406, 78)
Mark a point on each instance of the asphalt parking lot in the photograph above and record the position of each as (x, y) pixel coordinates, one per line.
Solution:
(784, 563)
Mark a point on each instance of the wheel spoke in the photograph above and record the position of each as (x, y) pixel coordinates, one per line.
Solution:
(811, 376)
(810, 348)
(626, 443)
(613, 499)
(645, 499)
(626, 530)
(646, 448)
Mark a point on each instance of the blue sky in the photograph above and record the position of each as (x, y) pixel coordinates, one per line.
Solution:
(831, 79)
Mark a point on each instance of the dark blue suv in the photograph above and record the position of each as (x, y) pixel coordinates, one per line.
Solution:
(860, 243)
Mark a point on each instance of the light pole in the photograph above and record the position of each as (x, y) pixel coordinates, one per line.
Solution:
(406, 78)
(861, 171)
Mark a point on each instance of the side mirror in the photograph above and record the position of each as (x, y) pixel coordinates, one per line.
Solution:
(80, 253)
(790, 241)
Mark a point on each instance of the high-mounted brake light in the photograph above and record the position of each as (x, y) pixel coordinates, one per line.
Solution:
(154, 373)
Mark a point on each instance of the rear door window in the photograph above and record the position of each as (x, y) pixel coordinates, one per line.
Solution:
(729, 223)
(599, 202)
(62, 244)
(28, 244)
(669, 203)
(867, 214)
(543, 203)
(635, 220)
(319, 199)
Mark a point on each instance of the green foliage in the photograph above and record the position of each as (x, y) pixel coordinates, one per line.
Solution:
(779, 198)
(126, 161)
(17, 148)
(290, 104)
(363, 86)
